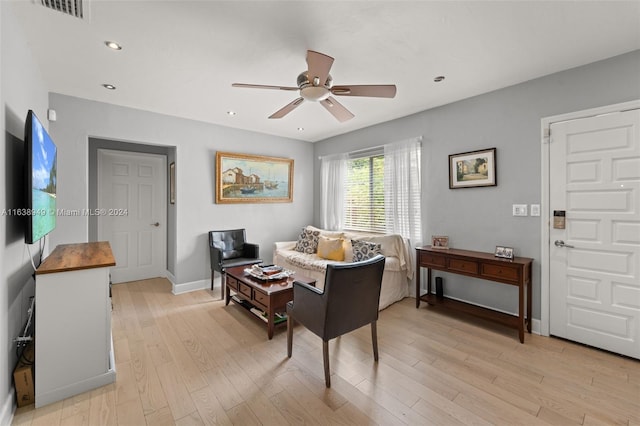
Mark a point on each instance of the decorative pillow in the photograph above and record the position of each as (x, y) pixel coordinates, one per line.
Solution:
(330, 248)
(348, 250)
(325, 233)
(364, 250)
(307, 241)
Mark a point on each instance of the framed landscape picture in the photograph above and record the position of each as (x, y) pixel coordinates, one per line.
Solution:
(242, 178)
(475, 168)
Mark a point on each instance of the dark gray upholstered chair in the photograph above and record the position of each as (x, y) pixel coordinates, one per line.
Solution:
(228, 249)
(349, 301)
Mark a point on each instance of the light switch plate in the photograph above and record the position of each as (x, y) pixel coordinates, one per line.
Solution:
(535, 209)
(520, 210)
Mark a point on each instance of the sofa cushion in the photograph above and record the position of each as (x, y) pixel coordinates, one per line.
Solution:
(330, 248)
(307, 241)
(307, 261)
(365, 250)
(325, 233)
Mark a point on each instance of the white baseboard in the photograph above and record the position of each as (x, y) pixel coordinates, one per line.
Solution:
(190, 286)
(58, 394)
(8, 408)
(535, 326)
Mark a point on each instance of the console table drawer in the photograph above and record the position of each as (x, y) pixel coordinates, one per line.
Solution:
(262, 299)
(428, 259)
(502, 272)
(463, 266)
(232, 282)
(245, 290)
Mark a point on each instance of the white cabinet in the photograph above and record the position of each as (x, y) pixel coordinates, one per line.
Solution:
(74, 348)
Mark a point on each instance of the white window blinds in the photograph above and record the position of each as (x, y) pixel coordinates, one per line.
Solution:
(364, 204)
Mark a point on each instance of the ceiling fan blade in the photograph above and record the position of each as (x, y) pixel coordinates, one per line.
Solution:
(373, 90)
(287, 108)
(337, 109)
(319, 66)
(261, 86)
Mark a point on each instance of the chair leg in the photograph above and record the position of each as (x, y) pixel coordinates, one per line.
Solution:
(289, 335)
(374, 339)
(325, 357)
(223, 284)
(213, 275)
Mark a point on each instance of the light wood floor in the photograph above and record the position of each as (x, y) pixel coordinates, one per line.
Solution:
(189, 360)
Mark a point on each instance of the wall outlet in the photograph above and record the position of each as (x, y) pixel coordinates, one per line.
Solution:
(535, 209)
(520, 210)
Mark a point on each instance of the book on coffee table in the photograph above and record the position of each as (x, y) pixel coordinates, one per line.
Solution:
(277, 319)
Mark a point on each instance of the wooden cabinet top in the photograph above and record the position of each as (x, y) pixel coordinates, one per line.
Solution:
(473, 255)
(71, 257)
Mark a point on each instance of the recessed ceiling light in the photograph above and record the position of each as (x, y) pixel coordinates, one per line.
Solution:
(231, 113)
(439, 78)
(301, 129)
(113, 45)
(109, 86)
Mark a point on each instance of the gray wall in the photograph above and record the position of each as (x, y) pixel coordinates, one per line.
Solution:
(508, 119)
(22, 88)
(196, 143)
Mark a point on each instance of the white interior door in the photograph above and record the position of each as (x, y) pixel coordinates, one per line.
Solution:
(132, 213)
(595, 261)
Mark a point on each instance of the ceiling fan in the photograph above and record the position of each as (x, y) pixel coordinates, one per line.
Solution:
(316, 85)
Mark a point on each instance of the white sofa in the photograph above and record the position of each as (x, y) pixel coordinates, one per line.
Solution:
(398, 268)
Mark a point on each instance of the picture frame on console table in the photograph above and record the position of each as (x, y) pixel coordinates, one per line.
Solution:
(472, 169)
(440, 242)
(504, 252)
(243, 178)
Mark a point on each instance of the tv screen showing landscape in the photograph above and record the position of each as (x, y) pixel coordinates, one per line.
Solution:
(41, 176)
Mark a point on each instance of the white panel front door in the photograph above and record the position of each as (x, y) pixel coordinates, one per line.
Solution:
(132, 213)
(595, 260)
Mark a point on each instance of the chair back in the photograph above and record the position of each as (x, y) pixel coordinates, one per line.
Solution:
(229, 242)
(352, 295)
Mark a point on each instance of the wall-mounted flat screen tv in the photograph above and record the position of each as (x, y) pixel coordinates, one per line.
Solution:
(40, 157)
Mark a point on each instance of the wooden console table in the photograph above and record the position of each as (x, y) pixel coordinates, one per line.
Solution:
(482, 265)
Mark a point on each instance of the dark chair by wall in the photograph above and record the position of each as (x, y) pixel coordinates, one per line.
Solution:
(349, 301)
(229, 248)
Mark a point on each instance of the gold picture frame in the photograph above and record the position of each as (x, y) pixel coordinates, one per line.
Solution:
(243, 178)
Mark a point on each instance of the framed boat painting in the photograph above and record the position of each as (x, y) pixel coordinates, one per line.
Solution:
(242, 178)
(471, 169)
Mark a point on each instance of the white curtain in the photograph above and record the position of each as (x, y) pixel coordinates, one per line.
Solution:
(333, 172)
(402, 181)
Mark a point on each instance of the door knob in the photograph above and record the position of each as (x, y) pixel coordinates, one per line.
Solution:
(156, 224)
(560, 243)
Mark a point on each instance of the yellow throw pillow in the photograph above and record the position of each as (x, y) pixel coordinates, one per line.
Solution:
(348, 250)
(330, 248)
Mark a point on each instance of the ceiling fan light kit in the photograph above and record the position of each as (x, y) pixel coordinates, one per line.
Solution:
(316, 85)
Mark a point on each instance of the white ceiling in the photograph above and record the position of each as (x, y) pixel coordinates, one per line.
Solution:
(180, 57)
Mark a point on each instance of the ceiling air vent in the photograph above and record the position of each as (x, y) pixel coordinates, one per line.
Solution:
(69, 7)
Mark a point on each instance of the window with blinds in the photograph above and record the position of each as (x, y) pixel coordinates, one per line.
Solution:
(364, 194)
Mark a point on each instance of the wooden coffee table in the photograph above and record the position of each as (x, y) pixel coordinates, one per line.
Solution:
(268, 296)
